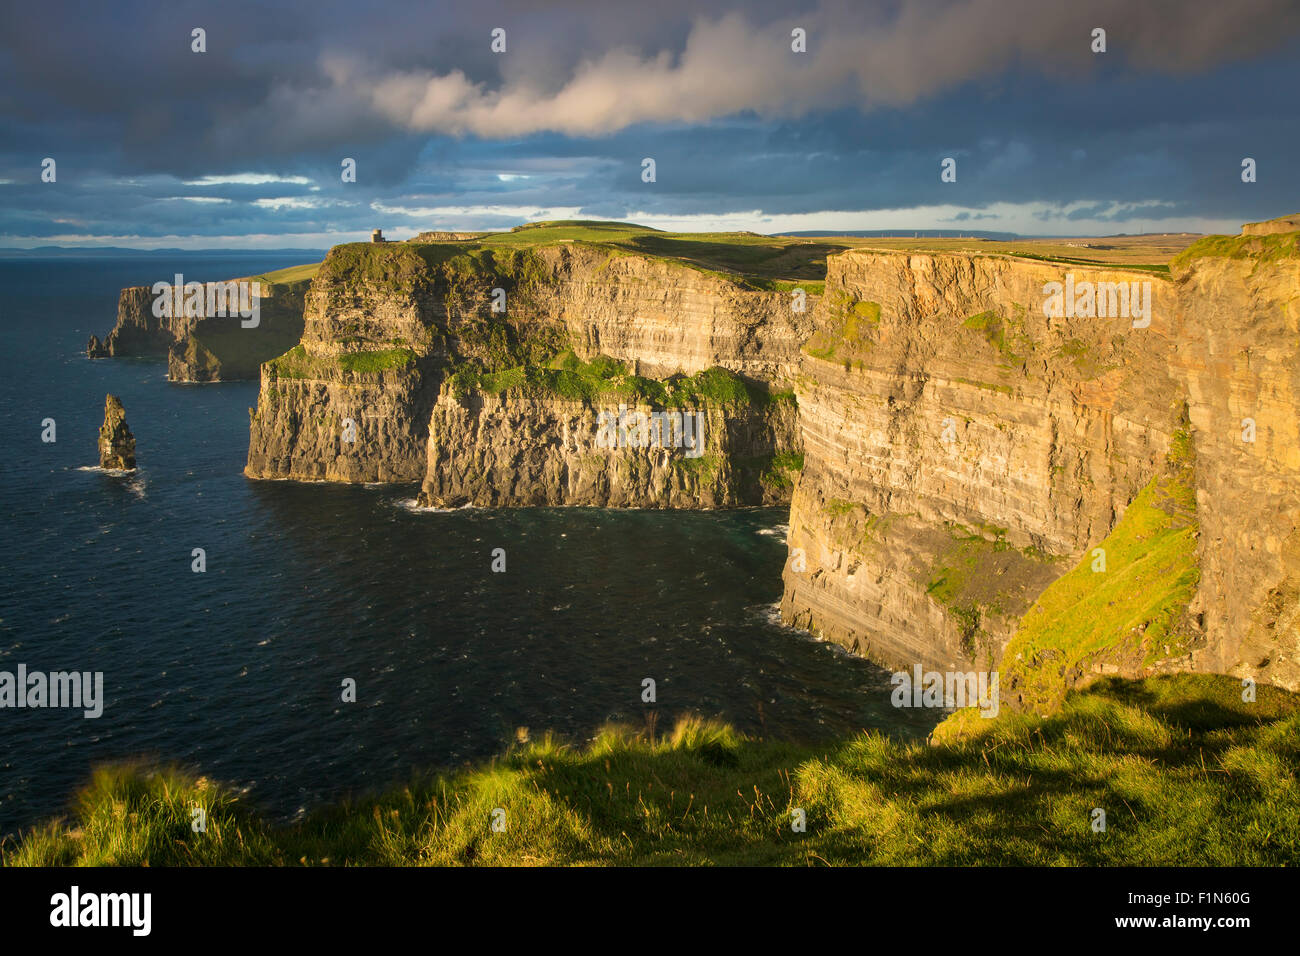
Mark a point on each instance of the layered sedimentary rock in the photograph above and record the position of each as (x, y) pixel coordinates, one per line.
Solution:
(138, 332)
(948, 423)
(202, 346)
(116, 443)
(970, 427)
(502, 449)
(386, 324)
(1238, 356)
(939, 396)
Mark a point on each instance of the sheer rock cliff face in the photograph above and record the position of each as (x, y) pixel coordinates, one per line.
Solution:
(963, 449)
(384, 325)
(203, 349)
(1239, 357)
(954, 407)
(487, 449)
(138, 331)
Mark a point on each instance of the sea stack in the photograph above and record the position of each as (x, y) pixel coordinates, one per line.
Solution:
(95, 348)
(116, 443)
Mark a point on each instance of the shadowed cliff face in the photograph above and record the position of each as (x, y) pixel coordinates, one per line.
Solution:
(201, 348)
(138, 331)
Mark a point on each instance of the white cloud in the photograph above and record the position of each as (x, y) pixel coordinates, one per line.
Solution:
(884, 56)
(1030, 219)
(299, 202)
(469, 212)
(247, 179)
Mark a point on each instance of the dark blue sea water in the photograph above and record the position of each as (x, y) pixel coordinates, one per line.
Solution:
(236, 672)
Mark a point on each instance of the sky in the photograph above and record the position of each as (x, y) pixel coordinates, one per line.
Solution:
(242, 145)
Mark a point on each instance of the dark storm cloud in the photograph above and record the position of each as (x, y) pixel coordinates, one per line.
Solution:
(443, 130)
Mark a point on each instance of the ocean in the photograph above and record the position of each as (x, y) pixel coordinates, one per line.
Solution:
(238, 672)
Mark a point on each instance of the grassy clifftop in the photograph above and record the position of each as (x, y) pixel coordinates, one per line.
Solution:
(754, 262)
(1185, 771)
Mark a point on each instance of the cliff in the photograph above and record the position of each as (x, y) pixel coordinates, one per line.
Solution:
(957, 441)
(206, 347)
(963, 450)
(386, 327)
(704, 442)
(1051, 467)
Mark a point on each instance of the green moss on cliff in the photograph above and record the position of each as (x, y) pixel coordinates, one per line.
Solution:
(1007, 335)
(1268, 248)
(847, 336)
(780, 471)
(1129, 615)
(605, 379)
(298, 363)
(979, 573)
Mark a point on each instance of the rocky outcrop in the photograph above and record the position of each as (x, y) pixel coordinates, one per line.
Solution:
(1272, 227)
(116, 443)
(203, 347)
(386, 323)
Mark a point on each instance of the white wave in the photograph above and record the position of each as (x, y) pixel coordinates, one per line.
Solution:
(413, 505)
(136, 485)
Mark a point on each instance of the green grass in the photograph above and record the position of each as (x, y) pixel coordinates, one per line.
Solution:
(297, 363)
(1128, 615)
(289, 276)
(756, 263)
(1263, 249)
(371, 362)
(1187, 773)
(605, 379)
